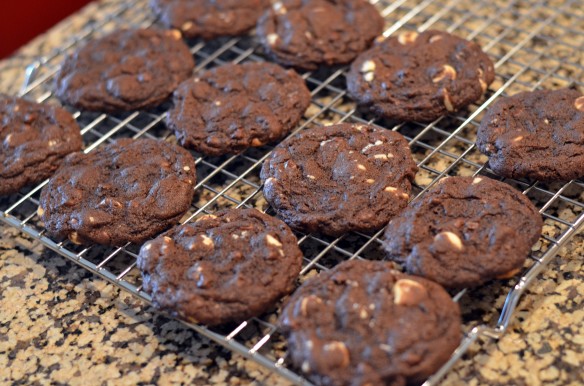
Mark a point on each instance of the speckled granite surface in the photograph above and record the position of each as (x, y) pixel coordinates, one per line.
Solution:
(61, 325)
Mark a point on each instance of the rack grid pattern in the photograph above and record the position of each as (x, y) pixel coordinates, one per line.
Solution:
(534, 44)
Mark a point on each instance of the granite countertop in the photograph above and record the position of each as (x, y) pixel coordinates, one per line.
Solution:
(60, 324)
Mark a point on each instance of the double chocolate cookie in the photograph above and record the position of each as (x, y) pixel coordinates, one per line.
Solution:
(34, 139)
(308, 33)
(420, 77)
(464, 232)
(339, 178)
(209, 18)
(363, 323)
(236, 106)
(125, 70)
(539, 135)
(225, 267)
(127, 191)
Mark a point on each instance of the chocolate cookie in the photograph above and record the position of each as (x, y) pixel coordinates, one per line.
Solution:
(362, 323)
(235, 106)
(34, 139)
(464, 232)
(127, 191)
(308, 33)
(223, 268)
(209, 18)
(339, 178)
(539, 135)
(125, 70)
(421, 77)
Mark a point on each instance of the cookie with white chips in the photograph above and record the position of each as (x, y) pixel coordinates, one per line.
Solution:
(340, 178)
(362, 323)
(464, 232)
(420, 77)
(225, 267)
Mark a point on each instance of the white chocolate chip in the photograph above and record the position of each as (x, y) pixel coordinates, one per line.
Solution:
(452, 238)
(477, 180)
(579, 103)
(370, 181)
(187, 26)
(369, 76)
(517, 139)
(447, 101)
(305, 367)
(52, 143)
(217, 103)
(325, 142)
(207, 241)
(405, 196)
(359, 127)
(546, 121)
(391, 189)
(174, 33)
(435, 38)
(186, 168)
(306, 301)
(196, 80)
(269, 181)
(148, 246)
(271, 240)
(368, 66)
(408, 292)
(7, 139)
(484, 85)
(311, 177)
(361, 167)
(279, 8)
(446, 72)
(167, 239)
(40, 211)
(272, 38)
(234, 236)
(380, 156)
(308, 35)
(407, 37)
(363, 314)
(389, 155)
(91, 219)
(338, 347)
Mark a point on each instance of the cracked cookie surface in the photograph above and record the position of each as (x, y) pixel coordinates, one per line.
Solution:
(420, 77)
(209, 19)
(539, 135)
(126, 191)
(236, 106)
(464, 232)
(34, 139)
(339, 178)
(362, 323)
(308, 33)
(224, 267)
(125, 70)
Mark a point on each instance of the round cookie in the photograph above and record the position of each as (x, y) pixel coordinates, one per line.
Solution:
(235, 106)
(225, 267)
(209, 18)
(339, 178)
(363, 323)
(125, 70)
(34, 139)
(464, 232)
(421, 77)
(539, 135)
(308, 33)
(126, 191)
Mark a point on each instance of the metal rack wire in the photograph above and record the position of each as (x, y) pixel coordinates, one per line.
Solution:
(535, 44)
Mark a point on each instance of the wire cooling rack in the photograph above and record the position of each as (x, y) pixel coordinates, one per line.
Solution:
(535, 44)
